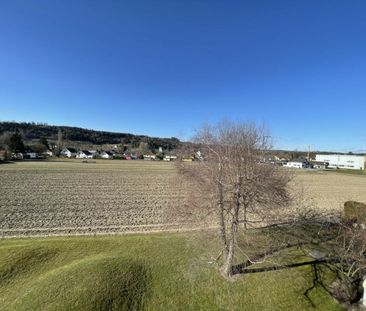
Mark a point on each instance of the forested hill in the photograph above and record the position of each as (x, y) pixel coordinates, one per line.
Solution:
(33, 131)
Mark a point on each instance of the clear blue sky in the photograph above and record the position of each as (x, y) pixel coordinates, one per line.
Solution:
(163, 68)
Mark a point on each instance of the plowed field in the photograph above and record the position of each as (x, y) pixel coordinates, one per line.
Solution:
(71, 197)
(47, 198)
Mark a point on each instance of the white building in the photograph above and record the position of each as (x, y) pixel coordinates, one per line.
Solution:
(353, 162)
(30, 155)
(94, 152)
(48, 153)
(300, 163)
(84, 154)
(149, 157)
(106, 155)
(169, 158)
(68, 152)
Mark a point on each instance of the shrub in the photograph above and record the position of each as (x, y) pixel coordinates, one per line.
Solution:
(355, 212)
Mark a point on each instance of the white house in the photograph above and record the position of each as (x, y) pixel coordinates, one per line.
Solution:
(48, 153)
(106, 155)
(30, 155)
(68, 152)
(94, 152)
(298, 163)
(84, 154)
(169, 158)
(346, 161)
(149, 157)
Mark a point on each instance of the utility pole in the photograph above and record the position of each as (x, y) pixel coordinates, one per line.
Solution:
(309, 152)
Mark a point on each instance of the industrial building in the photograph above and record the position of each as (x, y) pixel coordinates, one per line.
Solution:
(346, 161)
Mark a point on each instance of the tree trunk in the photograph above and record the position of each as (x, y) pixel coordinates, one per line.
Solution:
(245, 217)
(220, 203)
(222, 219)
(227, 269)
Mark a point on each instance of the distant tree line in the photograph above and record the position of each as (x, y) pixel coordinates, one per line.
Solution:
(35, 131)
(13, 143)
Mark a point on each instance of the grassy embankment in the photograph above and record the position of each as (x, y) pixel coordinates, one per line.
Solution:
(142, 272)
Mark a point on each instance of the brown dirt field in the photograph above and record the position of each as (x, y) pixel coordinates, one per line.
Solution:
(71, 197)
(111, 196)
(329, 190)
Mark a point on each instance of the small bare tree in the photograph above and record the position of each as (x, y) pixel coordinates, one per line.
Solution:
(229, 174)
(60, 142)
(143, 148)
(347, 256)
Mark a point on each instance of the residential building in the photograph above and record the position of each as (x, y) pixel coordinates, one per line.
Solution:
(106, 155)
(169, 158)
(48, 153)
(84, 154)
(297, 163)
(30, 154)
(149, 157)
(69, 152)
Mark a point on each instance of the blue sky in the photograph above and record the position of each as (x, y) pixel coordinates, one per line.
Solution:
(162, 68)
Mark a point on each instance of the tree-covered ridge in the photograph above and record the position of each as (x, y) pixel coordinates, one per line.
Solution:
(33, 130)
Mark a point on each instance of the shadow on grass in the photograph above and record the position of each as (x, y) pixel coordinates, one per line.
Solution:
(23, 262)
(88, 284)
(129, 289)
(268, 242)
(294, 246)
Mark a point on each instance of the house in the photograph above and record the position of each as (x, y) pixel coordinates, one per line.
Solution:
(169, 158)
(149, 157)
(297, 163)
(345, 161)
(84, 154)
(30, 154)
(94, 152)
(106, 155)
(48, 153)
(69, 152)
(17, 156)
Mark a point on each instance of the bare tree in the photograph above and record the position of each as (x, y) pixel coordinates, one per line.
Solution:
(347, 256)
(60, 142)
(241, 190)
(143, 148)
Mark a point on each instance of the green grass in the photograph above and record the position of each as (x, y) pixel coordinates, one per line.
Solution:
(142, 272)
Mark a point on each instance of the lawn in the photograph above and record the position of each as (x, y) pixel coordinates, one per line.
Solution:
(142, 272)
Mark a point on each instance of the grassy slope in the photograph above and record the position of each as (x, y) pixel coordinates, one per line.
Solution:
(149, 272)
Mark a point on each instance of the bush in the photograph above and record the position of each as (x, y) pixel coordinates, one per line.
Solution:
(355, 212)
(345, 291)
